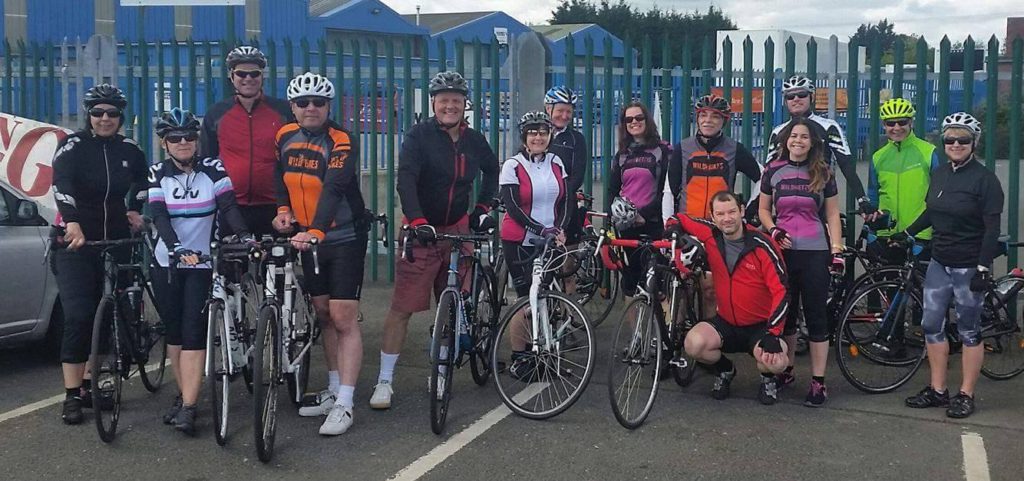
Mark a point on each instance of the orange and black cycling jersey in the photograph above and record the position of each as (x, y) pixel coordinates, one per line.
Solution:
(701, 167)
(318, 181)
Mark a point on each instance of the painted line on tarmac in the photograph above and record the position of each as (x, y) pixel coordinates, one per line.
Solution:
(50, 401)
(447, 449)
(975, 457)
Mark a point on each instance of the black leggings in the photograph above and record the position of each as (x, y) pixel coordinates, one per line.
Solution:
(80, 281)
(808, 289)
(181, 305)
(632, 273)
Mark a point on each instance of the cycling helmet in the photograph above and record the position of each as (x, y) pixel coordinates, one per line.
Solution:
(104, 94)
(962, 120)
(310, 84)
(534, 118)
(176, 120)
(797, 83)
(623, 213)
(897, 108)
(714, 103)
(448, 82)
(560, 95)
(246, 54)
(690, 250)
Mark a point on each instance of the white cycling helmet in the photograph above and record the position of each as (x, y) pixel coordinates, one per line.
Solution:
(690, 251)
(797, 83)
(310, 85)
(623, 213)
(962, 120)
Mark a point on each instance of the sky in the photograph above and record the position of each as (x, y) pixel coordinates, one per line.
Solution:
(931, 18)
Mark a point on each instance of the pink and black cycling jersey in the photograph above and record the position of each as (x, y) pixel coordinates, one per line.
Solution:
(798, 210)
(638, 175)
(534, 193)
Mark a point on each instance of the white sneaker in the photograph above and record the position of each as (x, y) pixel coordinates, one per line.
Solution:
(322, 405)
(337, 422)
(381, 398)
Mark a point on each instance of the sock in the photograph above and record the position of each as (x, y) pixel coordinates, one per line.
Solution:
(723, 365)
(345, 394)
(333, 380)
(71, 392)
(387, 367)
(820, 379)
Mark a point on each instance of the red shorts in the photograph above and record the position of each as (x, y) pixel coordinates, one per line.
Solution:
(414, 281)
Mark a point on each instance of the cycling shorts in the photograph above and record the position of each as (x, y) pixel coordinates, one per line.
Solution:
(738, 338)
(341, 270)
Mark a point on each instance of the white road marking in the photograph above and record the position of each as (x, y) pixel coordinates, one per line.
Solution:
(50, 401)
(975, 458)
(447, 449)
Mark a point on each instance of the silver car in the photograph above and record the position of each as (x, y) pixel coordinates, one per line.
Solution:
(29, 310)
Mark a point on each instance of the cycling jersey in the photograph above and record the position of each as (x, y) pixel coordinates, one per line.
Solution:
(638, 175)
(798, 210)
(963, 206)
(245, 143)
(184, 206)
(752, 292)
(834, 139)
(318, 181)
(898, 180)
(535, 196)
(92, 177)
(570, 146)
(701, 167)
(436, 175)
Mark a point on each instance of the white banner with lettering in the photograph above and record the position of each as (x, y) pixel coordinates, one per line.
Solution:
(26, 156)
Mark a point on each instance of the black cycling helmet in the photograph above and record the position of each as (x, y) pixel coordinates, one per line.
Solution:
(177, 120)
(104, 94)
(713, 103)
(246, 54)
(448, 82)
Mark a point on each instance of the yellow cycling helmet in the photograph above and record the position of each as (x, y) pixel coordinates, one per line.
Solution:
(897, 108)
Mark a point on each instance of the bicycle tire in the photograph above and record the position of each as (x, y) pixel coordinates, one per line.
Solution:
(109, 367)
(1004, 336)
(525, 397)
(861, 356)
(486, 308)
(218, 378)
(442, 359)
(298, 380)
(266, 378)
(636, 347)
(683, 375)
(597, 289)
(152, 343)
(252, 299)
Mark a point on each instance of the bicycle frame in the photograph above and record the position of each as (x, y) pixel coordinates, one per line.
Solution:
(229, 294)
(280, 278)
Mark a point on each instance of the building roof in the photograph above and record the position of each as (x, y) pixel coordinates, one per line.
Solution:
(320, 7)
(440, 22)
(555, 33)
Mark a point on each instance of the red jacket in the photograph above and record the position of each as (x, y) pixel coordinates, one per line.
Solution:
(755, 292)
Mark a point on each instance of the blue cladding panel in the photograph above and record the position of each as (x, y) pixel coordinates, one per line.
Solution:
(285, 18)
(56, 19)
(159, 23)
(211, 23)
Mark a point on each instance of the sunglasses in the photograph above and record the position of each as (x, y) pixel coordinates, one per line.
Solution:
(317, 102)
(538, 132)
(800, 95)
(98, 113)
(894, 123)
(635, 118)
(247, 73)
(957, 140)
(178, 138)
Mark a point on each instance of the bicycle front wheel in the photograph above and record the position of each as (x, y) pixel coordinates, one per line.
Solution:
(218, 375)
(1003, 331)
(150, 342)
(487, 307)
(543, 380)
(266, 377)
(252, 299)
(110, 366)
(597, 289)
(880, 344)
(442, 356)
(634, 364)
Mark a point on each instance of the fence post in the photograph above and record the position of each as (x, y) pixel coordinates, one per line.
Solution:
(321, 53)
(190, 57)
(495, 116)
(271, 66)
(407, 86)
(921, 94)
(899, 51)
(812, 61)
(607, 119)
(357, 94)
(289, 60)
(65, 84)
(852, 117)
(992, 102)
(442, 55)
(51, 106)
(707, 66)
(8, 78)
(1015, 139)
(943, 87)
(460, 57)
(176, 76)
(478, 85)
(339, 75)
(23, 82)
(769, 95)
(665, 92)
(969, 46)
(570, 62)
(874, 90)
(686, 92)
(144, 136)
(389, 112)
(37, 96)
(727, 77)
(425, 79)
(130, 117)
(304, 52)
(627, 72)
(747, 134)
(160, 78)
(374, 138)
(790, 47)
(645, 74)
(588, 112)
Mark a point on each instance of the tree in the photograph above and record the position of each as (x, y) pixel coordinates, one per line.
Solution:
(883, 31)
(623, 21)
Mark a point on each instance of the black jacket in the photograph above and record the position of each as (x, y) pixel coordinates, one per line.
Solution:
(97, 180)
(436, 175)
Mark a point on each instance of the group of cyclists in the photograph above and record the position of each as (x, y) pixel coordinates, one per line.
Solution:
(259, 166)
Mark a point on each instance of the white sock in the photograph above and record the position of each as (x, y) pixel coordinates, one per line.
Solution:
(387, 367)
(333, 381)
(345, 394)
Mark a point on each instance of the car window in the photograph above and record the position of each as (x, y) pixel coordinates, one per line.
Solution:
(5, 213)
